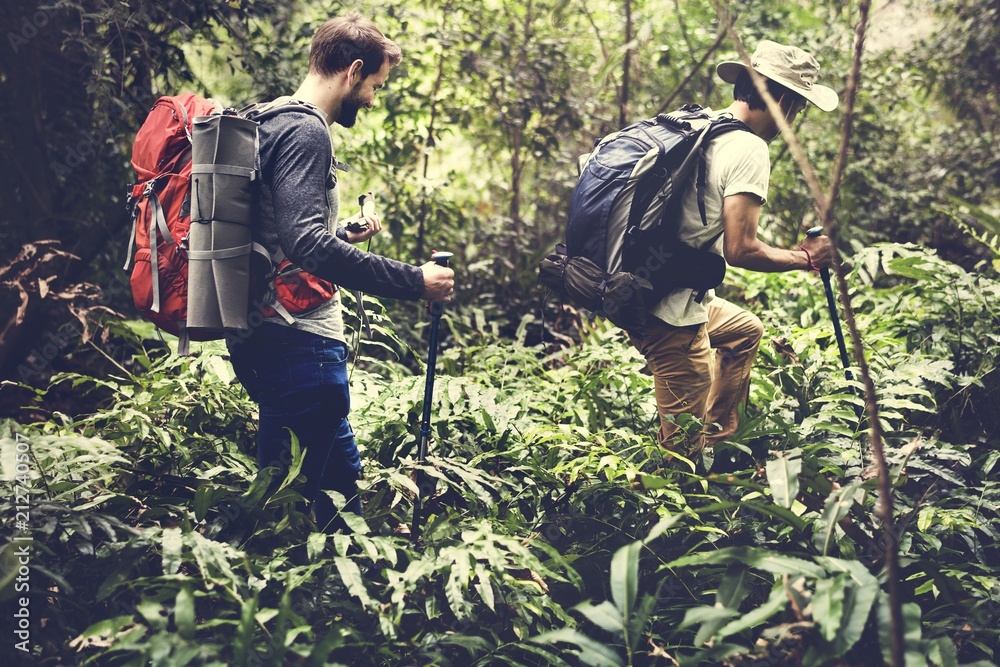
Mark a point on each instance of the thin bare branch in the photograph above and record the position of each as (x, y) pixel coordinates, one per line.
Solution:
(896, 627)
(683, 27)
(597, 31)
(694, 70)
(850, 94)
(824, 206)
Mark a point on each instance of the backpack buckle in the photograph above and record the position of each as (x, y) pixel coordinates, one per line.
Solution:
(150, 186)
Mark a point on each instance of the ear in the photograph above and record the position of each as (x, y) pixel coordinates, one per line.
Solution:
(354, 71)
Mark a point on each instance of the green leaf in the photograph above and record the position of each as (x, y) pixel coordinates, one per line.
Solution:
(458, 582)
(776, 602)
(245, 632)
(778, 512)
(640, 617)
(662, 526)
(755, 557)
(705, 614)
(925, 519)
(257, 488)
(355, 523)
(590, 652)
(109, 627)
(605, 616)
(625, 578)
(353, 580)
(730, 594)
(203, 501)
(942, 652)
(321, 652)
(485, 587)
(171, 544)
(783, 477)
(913, 650)
(990, 462)
(548, 657)
(296, 465)
(184, 612)
(828, 605)
(315, 544)
(221, 369)
(655, 482)
(119, 575)
(837, 506)
(152, 612)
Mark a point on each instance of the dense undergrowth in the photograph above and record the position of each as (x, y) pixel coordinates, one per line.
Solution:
(557, 533)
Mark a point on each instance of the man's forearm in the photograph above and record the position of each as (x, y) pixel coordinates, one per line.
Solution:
(327, 256)
(767, 259)
(741, 246)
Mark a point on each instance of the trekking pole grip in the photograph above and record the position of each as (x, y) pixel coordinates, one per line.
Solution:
(831, 302)
(441, 258)
(812, 233)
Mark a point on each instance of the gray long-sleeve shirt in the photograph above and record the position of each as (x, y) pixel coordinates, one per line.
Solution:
(297, 207)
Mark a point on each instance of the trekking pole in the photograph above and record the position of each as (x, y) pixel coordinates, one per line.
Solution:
(436, 309)
(831, 302)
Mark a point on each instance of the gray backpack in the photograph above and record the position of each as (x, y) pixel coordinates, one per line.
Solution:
(622, 252)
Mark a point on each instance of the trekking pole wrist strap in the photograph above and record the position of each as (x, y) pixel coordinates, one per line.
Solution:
(809, 259)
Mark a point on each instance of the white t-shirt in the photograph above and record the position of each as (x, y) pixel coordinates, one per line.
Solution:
(738, 162)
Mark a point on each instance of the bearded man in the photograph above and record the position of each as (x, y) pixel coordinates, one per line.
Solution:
(294, 365)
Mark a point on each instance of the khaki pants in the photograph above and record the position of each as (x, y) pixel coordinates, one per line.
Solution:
(688, 380)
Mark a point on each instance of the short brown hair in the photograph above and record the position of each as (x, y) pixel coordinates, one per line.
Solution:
(342, 40)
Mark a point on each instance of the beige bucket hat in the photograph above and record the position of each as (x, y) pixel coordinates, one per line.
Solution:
(788, 65)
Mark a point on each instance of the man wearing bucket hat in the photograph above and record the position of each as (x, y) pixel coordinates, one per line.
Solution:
(682, 331)
(295, 368)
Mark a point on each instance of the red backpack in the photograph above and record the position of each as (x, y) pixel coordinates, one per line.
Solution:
(160, 206)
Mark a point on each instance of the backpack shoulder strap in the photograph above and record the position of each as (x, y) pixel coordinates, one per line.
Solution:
(715, 128)
(262, 111)
(722, 124)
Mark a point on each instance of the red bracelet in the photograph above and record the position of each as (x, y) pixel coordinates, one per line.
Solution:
(812, 267)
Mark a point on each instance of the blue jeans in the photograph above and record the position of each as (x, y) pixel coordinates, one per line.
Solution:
(299, 380)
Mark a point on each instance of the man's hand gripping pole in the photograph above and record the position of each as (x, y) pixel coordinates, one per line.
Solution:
(831, 302)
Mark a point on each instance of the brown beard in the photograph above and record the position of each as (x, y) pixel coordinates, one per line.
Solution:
(349, 107)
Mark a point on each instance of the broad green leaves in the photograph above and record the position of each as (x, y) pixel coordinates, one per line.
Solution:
(622, 616)
(625, 580)
(783, 476)
(547, 489)
(762, 559)
(837, 506)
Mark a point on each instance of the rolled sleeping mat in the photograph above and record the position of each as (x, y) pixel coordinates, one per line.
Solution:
(224, 155)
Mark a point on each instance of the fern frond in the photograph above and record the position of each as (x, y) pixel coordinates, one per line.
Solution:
(988, 235)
